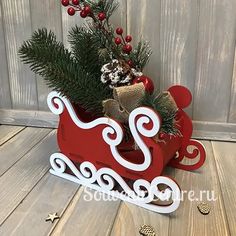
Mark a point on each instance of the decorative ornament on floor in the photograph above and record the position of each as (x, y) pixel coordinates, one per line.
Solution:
(147, 230)
(116, 134)
(204, 208)
(52, 217)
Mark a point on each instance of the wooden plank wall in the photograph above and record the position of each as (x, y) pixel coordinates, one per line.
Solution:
(193, 45)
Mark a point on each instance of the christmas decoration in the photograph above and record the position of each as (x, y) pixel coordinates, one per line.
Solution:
(148, 84)
(75, 2)
(87, 10)
(118, 73)
(119, 31)
(120, 107)
(71, 11)
(118, 40)
(83, 14)
(127, 48)
(130, 63)
(101, 16)
(52, 217)
(106, 102)
(204, 208)
(65, 3)
(128, 38)
(147, 230)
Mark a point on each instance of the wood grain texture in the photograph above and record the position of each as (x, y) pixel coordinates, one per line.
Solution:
(130, 218)
(47, 15)
(88, 217)
(51, 195)
(225, 156)
(29, 118)
(232, 109)
(187, 220)
(193, 44)
(178, 43)
(119, 18)
(214, 130)
(143, 22)
(24, 175)
(19, 145)
(67, 23)
(7, 132)
(17, 24)
(216, 44)
(5, 95)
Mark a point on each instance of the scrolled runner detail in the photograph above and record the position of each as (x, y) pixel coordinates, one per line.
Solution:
(198, 151)
(104, 180)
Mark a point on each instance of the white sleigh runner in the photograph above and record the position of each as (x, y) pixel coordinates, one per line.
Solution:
(92, 154)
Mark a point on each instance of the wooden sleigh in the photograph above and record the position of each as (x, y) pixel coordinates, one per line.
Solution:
(93, 153)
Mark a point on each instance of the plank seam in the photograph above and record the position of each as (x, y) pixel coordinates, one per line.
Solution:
(117, 213)
(35, 78)
(7, 59)
(70, 203)
(196, 55)
(220, 188)
(10, 213)
(232, 84)
(19, 131)
(36, 144)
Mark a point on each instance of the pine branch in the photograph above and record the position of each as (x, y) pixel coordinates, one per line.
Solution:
(86, 50)
(141, 55)
(164, 106)
(49, 59)
(106, 6)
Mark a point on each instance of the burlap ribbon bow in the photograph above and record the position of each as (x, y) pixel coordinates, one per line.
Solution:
(126, 99)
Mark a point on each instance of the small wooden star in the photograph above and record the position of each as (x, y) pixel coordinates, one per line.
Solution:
(52, 217)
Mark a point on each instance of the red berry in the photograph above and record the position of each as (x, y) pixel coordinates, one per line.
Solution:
(71, 11)
(83, 14)
(118, 41)
(127, 48)
(75, 2)
(119, 31)
(147, 82)
(65, 2)
(101, 16)
(128, 38)
(162, 136)
(130, 63)
(87, 9)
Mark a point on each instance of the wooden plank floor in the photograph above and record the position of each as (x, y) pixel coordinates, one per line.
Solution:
(29, 193)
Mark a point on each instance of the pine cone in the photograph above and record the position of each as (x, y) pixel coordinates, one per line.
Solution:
(118, 73)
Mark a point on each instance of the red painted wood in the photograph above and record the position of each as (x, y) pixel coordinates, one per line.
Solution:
(88, 145)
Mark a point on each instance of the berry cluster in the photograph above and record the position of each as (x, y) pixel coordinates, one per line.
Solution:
(125, 42)
(84, 10)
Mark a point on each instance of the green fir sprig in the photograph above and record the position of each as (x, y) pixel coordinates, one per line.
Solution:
(49, 59)
(165, 108)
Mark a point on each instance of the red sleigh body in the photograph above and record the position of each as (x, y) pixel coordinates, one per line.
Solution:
(81, 145)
